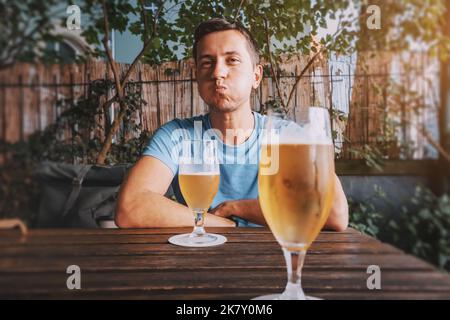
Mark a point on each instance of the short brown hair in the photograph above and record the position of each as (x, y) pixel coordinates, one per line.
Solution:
(219, 24)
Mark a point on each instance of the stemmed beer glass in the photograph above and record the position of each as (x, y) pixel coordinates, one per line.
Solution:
(199, 177)
(296, 186)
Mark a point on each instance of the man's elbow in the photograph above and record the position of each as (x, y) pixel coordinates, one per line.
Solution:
(341, 221)
(338, 220)
(129, 214)
(123, 217)
(340, 225)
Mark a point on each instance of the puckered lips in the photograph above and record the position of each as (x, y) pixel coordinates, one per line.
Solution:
(220, 88)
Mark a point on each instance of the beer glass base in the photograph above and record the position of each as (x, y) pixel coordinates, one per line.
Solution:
(207, 240)
(277, 296)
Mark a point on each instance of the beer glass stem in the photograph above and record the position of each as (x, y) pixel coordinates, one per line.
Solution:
(199, 230)
(294, 263)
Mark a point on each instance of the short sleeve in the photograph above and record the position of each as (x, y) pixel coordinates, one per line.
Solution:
(243, 223)
(163, 145)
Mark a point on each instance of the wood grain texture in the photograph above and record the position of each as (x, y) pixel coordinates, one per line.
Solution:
(141, 264)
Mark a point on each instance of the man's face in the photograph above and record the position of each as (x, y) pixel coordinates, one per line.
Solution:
(225, 70)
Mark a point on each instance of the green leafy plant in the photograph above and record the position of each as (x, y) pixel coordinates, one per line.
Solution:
(420, 228)
(19, 192)
(424, 228)
(364, 216)
(371, 155)
(25, 26)
(86, 118)
(282, 28)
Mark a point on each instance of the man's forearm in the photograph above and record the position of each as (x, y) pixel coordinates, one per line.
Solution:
(338, 218)
(151, 210)
(247, 209)
(250, 210)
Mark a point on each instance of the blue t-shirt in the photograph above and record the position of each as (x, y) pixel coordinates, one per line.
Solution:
(238, 163)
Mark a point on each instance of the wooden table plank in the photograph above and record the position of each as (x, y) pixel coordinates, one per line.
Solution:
(240, 279)
(141, 264)
(167, 231)
(173, 283)
(38, 240)
(158, 249)
(195, 261)
(223, 295)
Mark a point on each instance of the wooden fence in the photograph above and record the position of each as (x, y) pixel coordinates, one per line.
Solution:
(29, 94)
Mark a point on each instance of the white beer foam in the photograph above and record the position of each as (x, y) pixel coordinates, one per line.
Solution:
(304, 140)
(297, 138)
(287, 132)
(212, 173)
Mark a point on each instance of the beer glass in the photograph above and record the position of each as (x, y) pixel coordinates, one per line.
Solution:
(198, 177)
(296, 185)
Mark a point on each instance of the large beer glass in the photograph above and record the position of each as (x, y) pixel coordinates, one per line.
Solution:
(199, 178)
(296, 186)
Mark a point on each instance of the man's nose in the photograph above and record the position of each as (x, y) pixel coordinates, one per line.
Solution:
(220, 70)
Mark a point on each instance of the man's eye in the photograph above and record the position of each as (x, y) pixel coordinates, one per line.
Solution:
(206, 63)
(234, 60)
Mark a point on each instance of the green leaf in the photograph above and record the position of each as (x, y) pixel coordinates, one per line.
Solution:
(156, 43)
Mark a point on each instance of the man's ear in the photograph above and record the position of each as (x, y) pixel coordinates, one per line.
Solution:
(258, 75)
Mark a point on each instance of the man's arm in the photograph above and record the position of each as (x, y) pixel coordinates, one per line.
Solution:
(247, 209)
(250, 210)
(338, 218)
(142, 203)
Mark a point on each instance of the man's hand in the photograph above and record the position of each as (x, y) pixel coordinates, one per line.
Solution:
(247, 209)
(250, 210)
(225, 209)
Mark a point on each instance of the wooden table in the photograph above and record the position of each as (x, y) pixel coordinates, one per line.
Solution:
(141, 264)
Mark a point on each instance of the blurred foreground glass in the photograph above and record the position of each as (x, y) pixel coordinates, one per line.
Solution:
(199, 177)
(296, 186)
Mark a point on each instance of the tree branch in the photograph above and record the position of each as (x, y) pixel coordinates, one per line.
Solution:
(424, 132)
(434, 143)
(144, 19)
(119, 89)
(117, 82)
(321, 51)
(109, 136)
(277, 84)
(105, 107)
(236, 13)
(302, 73)
(146, 44)
(18, 46)
(121, 83)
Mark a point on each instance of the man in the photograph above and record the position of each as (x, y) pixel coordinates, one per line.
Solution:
(227, 69)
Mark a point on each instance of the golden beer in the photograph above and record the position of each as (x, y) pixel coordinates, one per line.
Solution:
(199, 189)
(296, 199)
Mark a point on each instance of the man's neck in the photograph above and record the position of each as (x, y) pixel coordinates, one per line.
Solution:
(235, 126)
